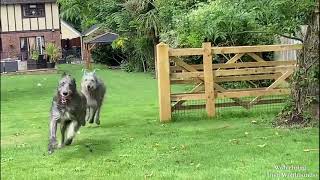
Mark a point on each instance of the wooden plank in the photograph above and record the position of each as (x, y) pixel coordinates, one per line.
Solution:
(235, 58)
(188, 96)
(164, 82)
(228, 104)
(187, 75)
(188, 67)
(256, 57)
(199, 67)
(189, 107)
(236, 100)
(185, 66)
(185, 52)
(231, 78)
(208, 79)
(196, 89)
(246, 77)
(260, 48)
(237, 94)
(274, 84)
(178, 81)
(247, 71)
(231, 72)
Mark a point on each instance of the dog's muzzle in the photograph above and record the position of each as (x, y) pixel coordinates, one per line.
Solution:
(65, 99)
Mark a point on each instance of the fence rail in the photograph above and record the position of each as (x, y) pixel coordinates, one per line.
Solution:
(207, 76)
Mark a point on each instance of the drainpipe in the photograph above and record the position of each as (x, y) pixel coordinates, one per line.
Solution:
(81, 41)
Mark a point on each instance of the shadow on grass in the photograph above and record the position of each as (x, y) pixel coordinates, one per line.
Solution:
(85, 148)
(107, 125)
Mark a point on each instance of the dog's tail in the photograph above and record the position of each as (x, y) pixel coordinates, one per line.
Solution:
(71, 131)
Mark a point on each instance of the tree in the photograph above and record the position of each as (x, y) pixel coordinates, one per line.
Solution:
(79, 13)
(304, 106)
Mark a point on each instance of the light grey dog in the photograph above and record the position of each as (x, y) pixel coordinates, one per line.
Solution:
(69, 109)
(94, 90)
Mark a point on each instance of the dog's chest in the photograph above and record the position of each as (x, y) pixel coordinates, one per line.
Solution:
(66, 115)
(92, 102)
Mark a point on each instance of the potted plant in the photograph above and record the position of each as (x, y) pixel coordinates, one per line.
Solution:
(32, 63)
(52, 52)
(41, 62)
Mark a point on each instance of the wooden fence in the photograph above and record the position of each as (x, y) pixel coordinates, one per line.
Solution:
(207, 76)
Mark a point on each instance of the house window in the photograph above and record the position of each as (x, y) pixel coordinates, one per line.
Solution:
(30, 44)
(33, 10)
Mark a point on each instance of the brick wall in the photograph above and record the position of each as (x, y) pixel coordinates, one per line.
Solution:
(11, 41)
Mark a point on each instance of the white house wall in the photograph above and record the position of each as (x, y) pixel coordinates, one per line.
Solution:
(12, 20)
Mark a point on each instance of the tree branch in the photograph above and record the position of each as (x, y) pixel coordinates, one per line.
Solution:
(266, 32)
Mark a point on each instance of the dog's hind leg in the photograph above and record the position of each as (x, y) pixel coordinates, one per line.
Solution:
(72, 128)
(97, 116)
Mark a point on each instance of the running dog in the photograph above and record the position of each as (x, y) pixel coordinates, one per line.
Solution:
(94, 90)
(69, 109)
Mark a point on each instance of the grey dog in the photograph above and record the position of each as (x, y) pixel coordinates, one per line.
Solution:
(94, 90)
(69, 109)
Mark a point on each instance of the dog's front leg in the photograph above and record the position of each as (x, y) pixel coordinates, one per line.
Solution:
(87, 114)
(63, 127)
(97, 116)
(52, 136)
(91, 114)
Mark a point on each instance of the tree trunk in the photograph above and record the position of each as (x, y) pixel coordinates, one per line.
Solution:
(305, 83)
(155, 40)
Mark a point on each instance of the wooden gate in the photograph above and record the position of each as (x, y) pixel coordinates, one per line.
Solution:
(207, 76)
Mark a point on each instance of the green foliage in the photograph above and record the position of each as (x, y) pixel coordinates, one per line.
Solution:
(105, 54)
(35, 54)
(52, 51)
(226, 22)
(188, 23)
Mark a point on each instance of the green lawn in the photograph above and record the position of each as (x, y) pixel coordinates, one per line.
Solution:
(131, 143)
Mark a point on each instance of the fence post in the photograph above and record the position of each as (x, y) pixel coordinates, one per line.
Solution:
(163, 68)
(208, 79)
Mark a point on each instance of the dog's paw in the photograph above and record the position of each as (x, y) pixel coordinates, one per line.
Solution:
(60, 146)
(51, 148)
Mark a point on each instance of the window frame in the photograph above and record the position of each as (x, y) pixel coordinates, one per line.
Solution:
(38, 6)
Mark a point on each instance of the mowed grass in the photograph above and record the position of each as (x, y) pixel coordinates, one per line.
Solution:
(131, 143)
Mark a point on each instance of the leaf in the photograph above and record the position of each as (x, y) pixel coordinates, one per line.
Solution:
(198, 165)
(246, 133)
(254, 122)
(183, 146)
(308, 150)
(148, 175)
(262, 145)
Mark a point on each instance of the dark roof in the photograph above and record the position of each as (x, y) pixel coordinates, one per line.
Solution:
(90, 29)
(106, 38)
(25, 1)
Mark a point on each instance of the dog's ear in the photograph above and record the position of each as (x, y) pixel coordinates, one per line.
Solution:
(63, 74)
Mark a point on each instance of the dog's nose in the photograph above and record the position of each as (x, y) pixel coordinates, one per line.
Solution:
(65, 93)
(88, 87)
